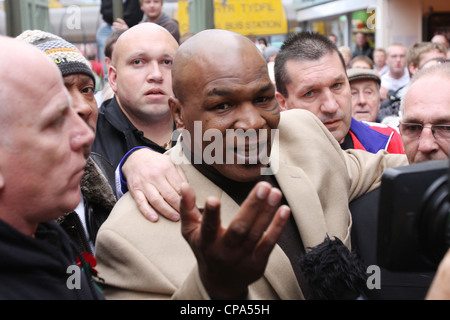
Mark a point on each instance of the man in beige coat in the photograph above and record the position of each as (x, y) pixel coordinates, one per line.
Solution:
(231, 246)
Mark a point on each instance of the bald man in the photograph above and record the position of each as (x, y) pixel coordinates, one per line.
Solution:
(222, 89)
(140, 77)
(44, 146)
(425, 121)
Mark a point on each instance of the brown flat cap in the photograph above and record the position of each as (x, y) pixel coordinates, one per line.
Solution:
(355, 74)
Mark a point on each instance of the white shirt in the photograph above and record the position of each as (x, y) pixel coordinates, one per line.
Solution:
(394, 84)
(80, 212)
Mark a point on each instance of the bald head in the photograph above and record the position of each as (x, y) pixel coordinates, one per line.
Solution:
(31, 60)
(22, 66)
(216, 41)
(210, 50)
(141, 32)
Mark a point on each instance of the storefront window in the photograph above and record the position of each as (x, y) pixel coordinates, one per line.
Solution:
(337, 26)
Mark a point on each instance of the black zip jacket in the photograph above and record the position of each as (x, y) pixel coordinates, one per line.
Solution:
(37, 268)
(116, 135)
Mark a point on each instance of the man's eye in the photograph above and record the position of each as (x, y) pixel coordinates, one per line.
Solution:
(222, 106)
(59, 121)
(414, 127)
(337, 85)
(137, 62)
(444, 127)
(264, 99)
(88, 90)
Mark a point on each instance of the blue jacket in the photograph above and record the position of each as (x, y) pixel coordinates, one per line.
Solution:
(372, 137)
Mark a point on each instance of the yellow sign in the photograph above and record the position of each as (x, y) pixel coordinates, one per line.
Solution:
(54, 4)
(182, 16)
(247, 17)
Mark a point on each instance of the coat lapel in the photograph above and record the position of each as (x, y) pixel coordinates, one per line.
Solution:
(307, 214)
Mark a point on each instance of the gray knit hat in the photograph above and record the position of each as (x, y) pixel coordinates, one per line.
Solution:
(66, 56)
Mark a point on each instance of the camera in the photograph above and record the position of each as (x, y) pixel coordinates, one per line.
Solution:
(413, 232)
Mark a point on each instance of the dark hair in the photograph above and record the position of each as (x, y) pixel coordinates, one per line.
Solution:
(300, 47)
(263, 40)
(112, 39)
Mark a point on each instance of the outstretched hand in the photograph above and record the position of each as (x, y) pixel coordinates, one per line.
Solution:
(231, 258)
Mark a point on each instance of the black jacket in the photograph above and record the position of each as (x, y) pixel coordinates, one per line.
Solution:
(365, 51)
(37, 268)
(132, 13)
(116, 135)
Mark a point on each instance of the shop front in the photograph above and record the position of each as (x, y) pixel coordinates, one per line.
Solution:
(341, 18)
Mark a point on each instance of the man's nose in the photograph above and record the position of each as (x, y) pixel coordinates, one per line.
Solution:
(427, 141)
(82, 135)
(329, 103)
(250, 118)
(154, 72)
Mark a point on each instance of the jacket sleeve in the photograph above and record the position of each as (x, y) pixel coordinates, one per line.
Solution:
(132, 13)
(366, 169)
(106, 9)
(139, 259)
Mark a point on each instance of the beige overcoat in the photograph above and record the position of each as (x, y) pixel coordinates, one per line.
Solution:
(139, 259)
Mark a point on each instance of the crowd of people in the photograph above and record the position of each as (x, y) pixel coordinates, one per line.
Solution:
(207, 168)
(394, 67)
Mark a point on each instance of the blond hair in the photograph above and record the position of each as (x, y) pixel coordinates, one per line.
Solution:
(419, 48)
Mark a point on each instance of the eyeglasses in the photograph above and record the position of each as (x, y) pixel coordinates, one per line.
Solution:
(398, 56)
(434, 61)
(414, 130)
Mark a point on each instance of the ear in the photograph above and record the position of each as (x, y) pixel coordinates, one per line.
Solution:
(281, 101)
(177, 114)
(112, 78)
(107, 62)
(412, 69)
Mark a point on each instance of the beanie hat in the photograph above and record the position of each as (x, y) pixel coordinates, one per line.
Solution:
(66, 56)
